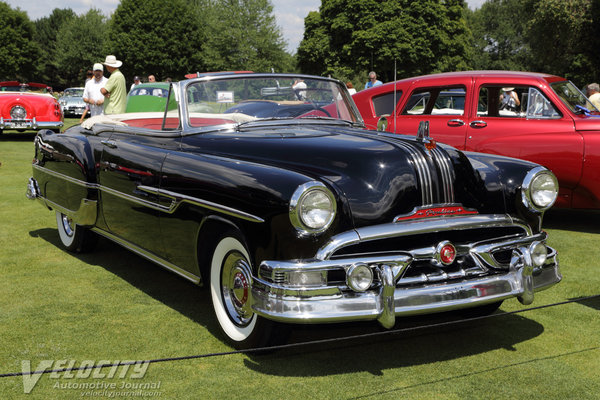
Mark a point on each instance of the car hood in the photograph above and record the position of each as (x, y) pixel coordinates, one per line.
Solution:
(378, 176)
(71, 99)
(587, 123)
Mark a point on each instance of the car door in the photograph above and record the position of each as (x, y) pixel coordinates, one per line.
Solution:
(537, 129)
(444, 104)
(129, 176)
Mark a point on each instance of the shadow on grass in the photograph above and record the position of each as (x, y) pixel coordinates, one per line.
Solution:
(394, 350)
(164, 286)
(592, 303)
(373, 354)
(587, 221)
(13, 136)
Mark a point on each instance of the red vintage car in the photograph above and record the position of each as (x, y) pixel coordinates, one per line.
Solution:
(28, 107)
(533, 116)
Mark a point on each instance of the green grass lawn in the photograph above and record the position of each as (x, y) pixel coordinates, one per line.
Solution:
(112, 305)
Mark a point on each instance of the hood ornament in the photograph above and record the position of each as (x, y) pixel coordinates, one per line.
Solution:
(423, 136)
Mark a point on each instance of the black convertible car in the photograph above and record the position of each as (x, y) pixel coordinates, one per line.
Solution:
(281, 202)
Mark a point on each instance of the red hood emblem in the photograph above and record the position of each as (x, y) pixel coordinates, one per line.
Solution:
(437, 211)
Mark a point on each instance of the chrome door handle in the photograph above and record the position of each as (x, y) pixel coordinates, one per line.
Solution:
(456, 122)
(478, 124)
(109, 143)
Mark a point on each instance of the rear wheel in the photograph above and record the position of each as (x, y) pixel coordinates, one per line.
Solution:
(74, 237)
(231, 293)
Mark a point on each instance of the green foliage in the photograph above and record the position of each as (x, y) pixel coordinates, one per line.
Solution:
(79, 44)
(46, 32)
(244, 36)
(350, 37)
(17, 48)
(499, 30)
(562, 40)
(156, 37)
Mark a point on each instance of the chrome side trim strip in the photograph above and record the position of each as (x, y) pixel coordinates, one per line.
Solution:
(149, 256)
(416, 227)
(177, 199)
(66, 177)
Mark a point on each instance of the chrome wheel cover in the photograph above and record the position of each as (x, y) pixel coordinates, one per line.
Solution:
(236, 288)
(68, 225)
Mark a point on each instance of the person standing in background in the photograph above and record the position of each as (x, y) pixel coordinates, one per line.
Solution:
(114, 92)
(92, 95)
(136, 81)
(592, 91)
(372, 82)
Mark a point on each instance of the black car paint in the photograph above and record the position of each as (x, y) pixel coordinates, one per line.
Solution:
(256, 170)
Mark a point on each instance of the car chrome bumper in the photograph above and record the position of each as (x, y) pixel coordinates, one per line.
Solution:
(390, 297)
(29, 124)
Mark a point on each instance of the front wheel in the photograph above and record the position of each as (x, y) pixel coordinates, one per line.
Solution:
(75, 238)
(231, 293)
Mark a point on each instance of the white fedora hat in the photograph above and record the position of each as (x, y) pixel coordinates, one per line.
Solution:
(112, 61)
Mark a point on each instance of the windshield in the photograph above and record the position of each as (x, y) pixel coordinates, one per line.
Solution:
(572, 97)
(246, 99)
(76, 92)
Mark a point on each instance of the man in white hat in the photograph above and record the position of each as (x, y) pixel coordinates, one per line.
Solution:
(91, 94)
(115, 93)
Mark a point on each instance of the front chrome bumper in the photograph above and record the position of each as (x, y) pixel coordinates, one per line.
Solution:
(390, 298)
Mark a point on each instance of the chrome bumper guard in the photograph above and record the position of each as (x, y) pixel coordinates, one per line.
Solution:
(389, 298)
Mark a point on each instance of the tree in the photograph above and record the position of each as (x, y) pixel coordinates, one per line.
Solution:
(243, 35)
(156, 37)
(18, 50)
(562, 37)
(499, 31)
(79, 44)
(354, 36)
(46, 31)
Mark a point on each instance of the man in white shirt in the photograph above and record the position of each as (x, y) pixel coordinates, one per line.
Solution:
(593, 93)
(91, 94)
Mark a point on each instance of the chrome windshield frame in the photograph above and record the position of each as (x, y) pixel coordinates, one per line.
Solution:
(183, 85)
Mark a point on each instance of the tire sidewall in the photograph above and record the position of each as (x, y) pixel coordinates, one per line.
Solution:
(236, 333)
(68, 241)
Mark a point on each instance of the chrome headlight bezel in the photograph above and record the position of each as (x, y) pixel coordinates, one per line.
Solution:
(531, 190)
(18, 112)
(299, 207)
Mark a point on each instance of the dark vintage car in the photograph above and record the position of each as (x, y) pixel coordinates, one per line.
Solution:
(72, 103)
(537, 117)
(291, 212)
(28, 107)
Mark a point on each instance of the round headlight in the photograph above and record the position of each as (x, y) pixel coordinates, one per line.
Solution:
(540, 189)
(539, 253)
(359, 277)
(18, 112)
(312, 208)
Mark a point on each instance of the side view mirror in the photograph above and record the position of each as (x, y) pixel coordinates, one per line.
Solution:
(382, 123)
